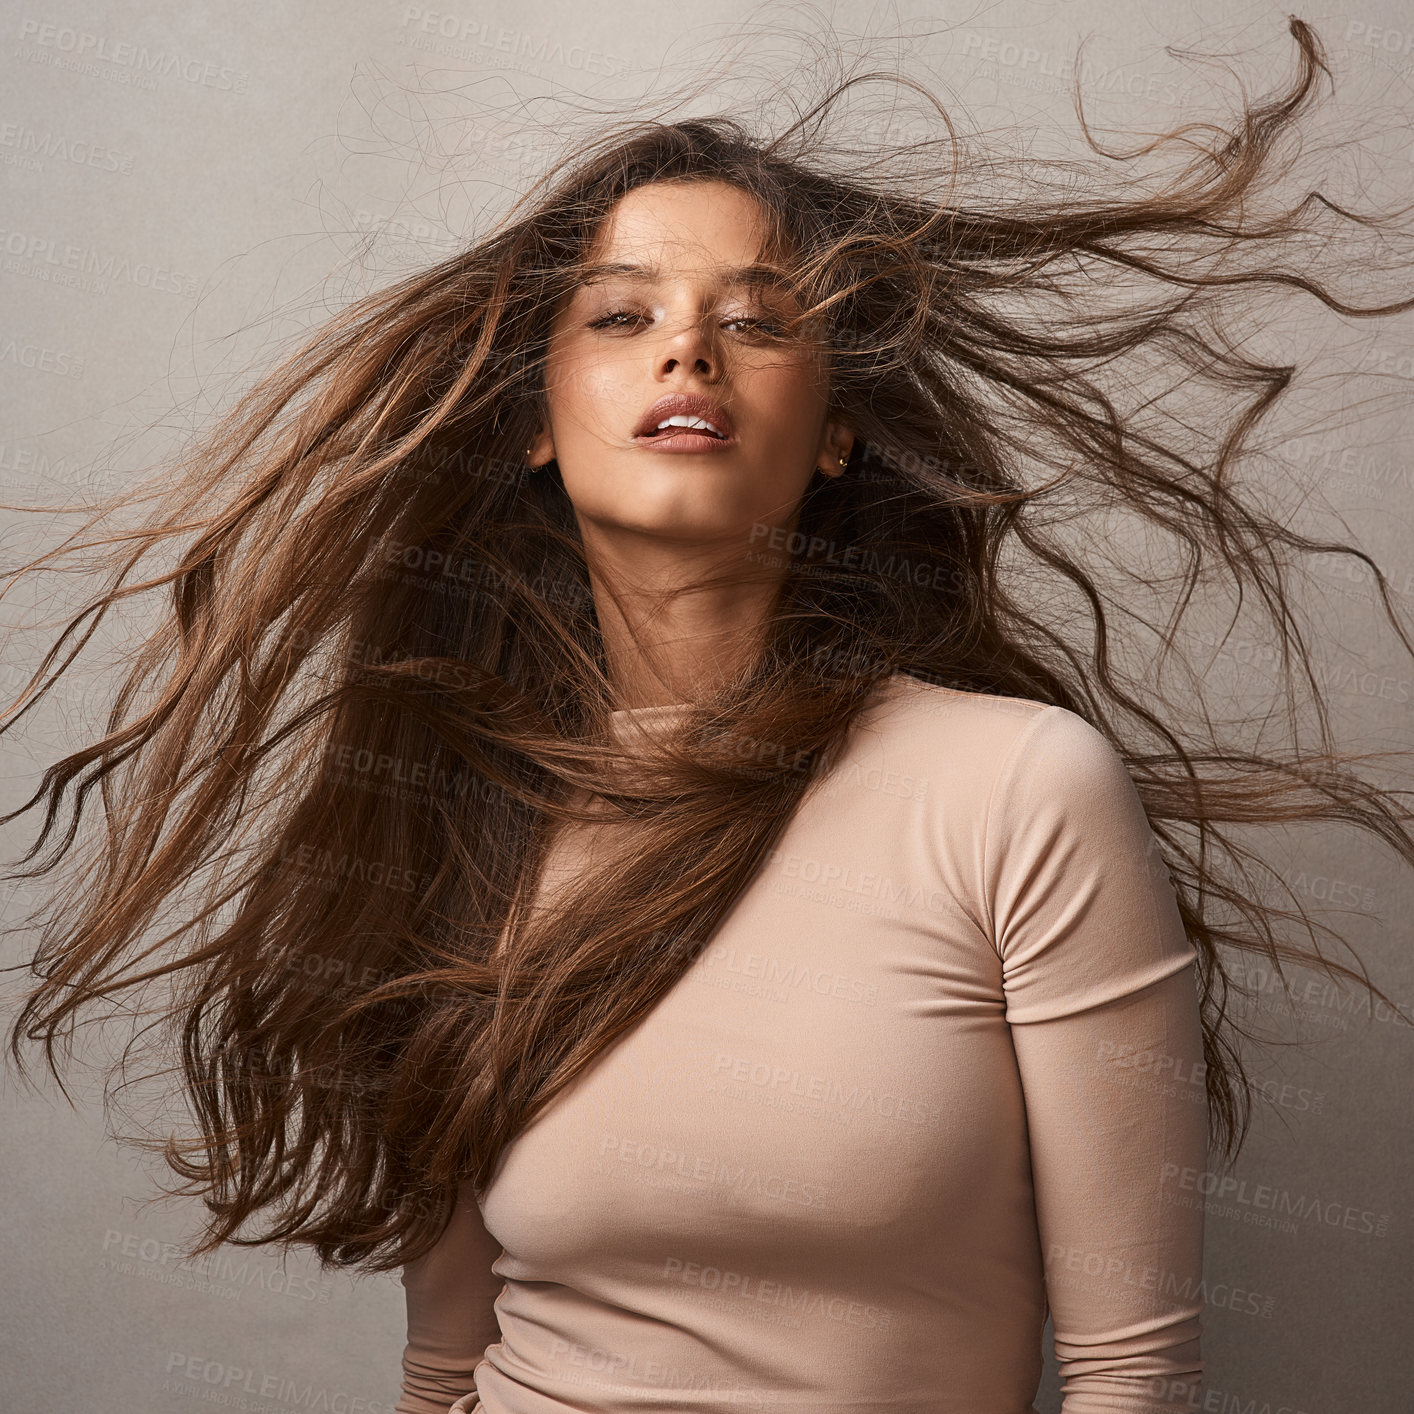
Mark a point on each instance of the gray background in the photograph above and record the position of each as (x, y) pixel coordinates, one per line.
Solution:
(188, 185)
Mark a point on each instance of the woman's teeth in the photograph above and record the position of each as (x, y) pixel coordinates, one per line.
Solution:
(679, 420)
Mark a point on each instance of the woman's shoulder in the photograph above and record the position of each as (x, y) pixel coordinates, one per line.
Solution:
(937, 715)
(984, 735)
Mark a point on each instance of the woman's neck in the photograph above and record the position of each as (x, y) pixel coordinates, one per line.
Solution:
(682, 653)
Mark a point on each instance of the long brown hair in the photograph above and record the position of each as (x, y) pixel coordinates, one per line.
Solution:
(379, 681)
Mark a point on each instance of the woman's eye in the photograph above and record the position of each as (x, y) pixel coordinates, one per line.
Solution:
(765, 326)
(619, 319)
(609, 320)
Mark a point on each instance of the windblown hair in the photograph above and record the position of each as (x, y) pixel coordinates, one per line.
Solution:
(380, 682)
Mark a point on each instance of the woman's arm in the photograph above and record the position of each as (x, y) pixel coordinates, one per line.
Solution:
(1115, 1114)
(451, 1318)
(1104, 1013)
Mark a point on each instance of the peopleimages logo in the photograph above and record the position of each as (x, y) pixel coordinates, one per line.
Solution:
(1280, 1202)
(800, 1300)
(29, 146)
(660, 1159)
(793, 977)
(131, 1253)
(850, 1095)
(67, 262)
(463, 37)
(225, 1384)
(60, 46)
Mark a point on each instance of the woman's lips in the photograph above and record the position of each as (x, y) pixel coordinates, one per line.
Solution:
(685, 439)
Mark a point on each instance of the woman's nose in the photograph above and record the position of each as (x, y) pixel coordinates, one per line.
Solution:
(689, 342)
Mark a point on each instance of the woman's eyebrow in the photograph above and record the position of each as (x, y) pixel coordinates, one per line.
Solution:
(754, 276)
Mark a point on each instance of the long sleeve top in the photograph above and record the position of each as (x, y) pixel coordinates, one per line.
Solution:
(935, 1075)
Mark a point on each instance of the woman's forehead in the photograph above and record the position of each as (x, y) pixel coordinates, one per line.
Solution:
(697, 225)
(757, 275)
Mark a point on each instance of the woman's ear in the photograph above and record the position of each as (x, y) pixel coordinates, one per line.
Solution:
(540, 450)
(836, 443)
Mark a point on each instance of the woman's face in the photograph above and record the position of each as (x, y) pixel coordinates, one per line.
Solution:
(682, 317)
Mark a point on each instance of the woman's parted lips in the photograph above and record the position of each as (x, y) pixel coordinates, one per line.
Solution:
(688, 405)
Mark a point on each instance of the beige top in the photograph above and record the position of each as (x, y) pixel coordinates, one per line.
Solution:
(938, 1071)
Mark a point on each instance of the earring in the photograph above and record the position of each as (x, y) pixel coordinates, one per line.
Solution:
(844, 460)
(527, 459)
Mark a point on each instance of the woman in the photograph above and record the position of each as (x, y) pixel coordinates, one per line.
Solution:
(699, 925)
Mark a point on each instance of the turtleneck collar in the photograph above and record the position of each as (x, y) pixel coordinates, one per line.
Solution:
(625, 722)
